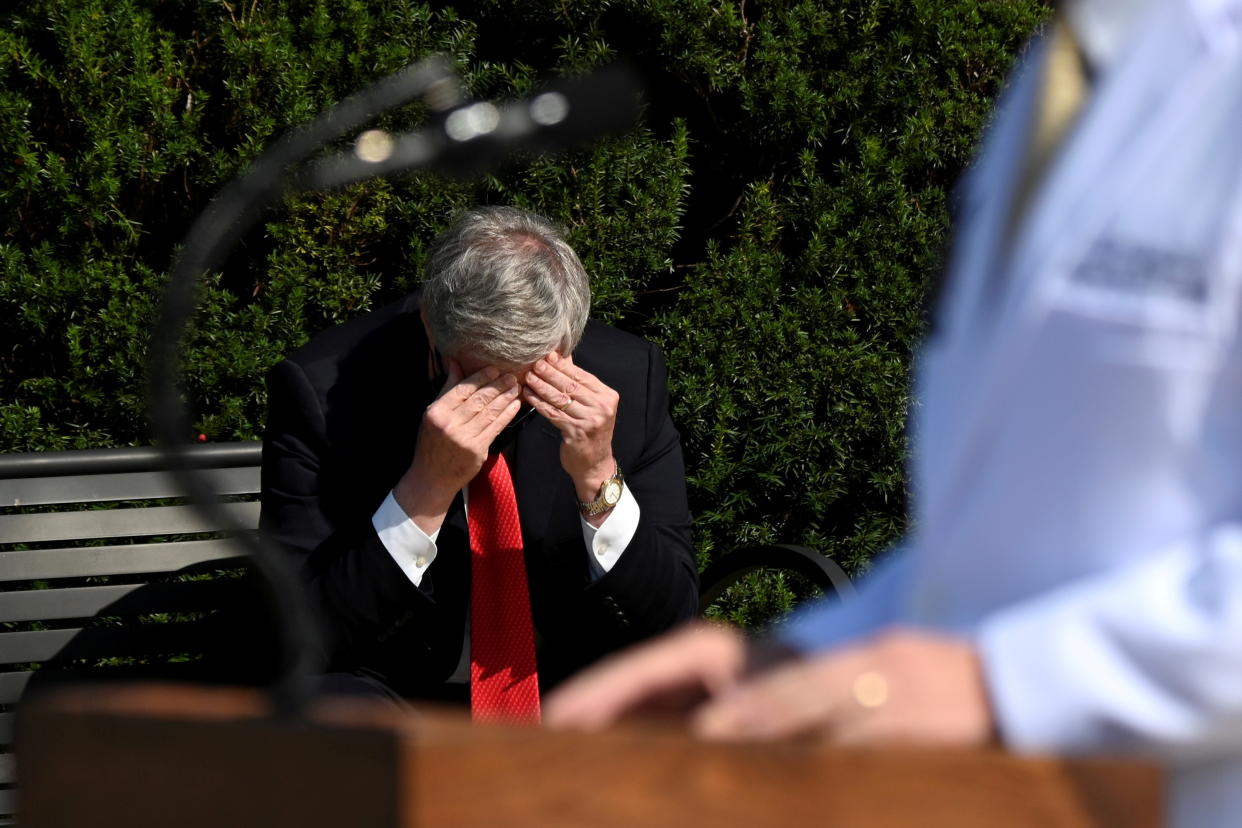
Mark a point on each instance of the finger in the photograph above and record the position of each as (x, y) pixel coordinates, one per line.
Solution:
(794, 700)
(549, 412)
(496, 398)
(872, 728)
(604, 694)
(503, 416)
(551, 396)
(465, 389)
(568, 412)
(699, 656)
(479, 403)
(566, 365)
(545, 370)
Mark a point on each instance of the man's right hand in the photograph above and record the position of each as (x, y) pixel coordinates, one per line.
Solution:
(453, 439)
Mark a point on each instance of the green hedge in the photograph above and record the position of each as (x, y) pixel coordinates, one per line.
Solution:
(772, 225)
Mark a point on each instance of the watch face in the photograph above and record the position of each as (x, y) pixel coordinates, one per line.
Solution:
(612, 492)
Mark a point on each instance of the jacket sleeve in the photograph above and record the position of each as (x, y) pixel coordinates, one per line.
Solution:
(654, 585)
(308, 509)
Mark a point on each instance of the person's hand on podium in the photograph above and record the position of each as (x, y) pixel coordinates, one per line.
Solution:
(670, 675)
(902, 687)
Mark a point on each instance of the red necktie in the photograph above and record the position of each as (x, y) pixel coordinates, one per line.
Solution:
(503, 683)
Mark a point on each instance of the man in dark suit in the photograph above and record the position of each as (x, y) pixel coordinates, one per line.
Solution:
(377, 426)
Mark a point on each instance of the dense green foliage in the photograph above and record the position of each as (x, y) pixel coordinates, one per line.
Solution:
(772, 225)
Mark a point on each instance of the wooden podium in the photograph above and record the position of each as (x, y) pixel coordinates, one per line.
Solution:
(179, 756)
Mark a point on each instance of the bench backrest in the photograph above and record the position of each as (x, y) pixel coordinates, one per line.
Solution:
(105, 569)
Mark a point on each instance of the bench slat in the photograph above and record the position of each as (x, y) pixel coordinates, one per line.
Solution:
(8, 769)
(127, 459)
(131, 559)
(8, 802)
(102, 642)
(42, 491)
(6, 728)
(118, 523)
(125, 599)
(12, 685)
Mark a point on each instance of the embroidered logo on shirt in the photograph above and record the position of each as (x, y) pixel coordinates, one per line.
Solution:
(1141, 271)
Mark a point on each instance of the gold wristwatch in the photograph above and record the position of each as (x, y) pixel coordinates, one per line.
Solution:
(609, 495)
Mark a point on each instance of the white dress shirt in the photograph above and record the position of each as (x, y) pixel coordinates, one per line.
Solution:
(415, 551)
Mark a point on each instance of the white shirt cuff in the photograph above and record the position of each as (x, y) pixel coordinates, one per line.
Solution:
(412, 548)
(414, 551)
(607, 541)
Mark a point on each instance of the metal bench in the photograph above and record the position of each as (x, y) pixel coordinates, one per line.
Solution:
(106, 572)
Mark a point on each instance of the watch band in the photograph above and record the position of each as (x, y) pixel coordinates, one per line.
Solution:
(609, 495)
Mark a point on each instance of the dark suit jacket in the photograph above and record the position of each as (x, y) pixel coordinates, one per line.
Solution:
(343, 421)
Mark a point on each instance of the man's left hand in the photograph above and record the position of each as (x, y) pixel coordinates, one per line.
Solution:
(585, 411)
(901, 688)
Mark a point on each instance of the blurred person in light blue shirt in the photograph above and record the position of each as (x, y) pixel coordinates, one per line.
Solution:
(1073, 581)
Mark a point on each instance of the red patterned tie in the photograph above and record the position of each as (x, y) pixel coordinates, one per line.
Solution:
(503, 683)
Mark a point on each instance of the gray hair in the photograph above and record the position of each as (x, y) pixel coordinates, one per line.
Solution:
(503, 285)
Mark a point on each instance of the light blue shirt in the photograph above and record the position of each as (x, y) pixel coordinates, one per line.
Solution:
(1077, 432)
